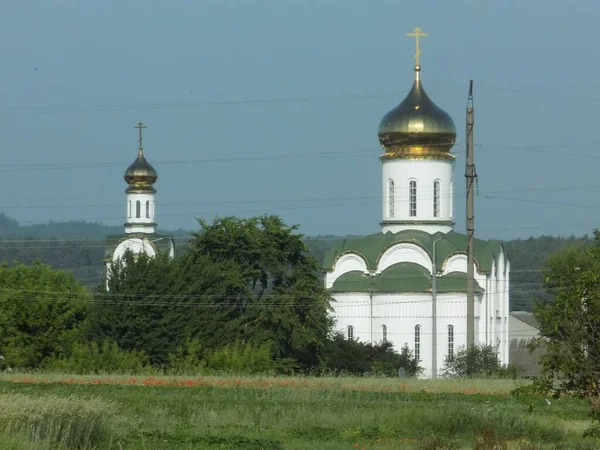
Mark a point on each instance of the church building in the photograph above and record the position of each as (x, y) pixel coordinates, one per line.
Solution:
(140, 228)
(383, 284)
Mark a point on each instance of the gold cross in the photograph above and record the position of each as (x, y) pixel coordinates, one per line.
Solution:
(139, 126)
(417, 34)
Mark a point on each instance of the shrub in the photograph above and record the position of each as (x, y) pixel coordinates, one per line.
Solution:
(389, 362)
(242, 358)
(87, 358)
(480, 360)
(352, 357)
(187, 358)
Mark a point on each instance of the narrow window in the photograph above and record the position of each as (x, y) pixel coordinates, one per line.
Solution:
(436, 198)
(450, 341)
(391, 198)
(384, 331)
(147, 209)
(129, 210)
(418, 342)
(451, 198)
(138, 209)
(412, 204)
(350, 332)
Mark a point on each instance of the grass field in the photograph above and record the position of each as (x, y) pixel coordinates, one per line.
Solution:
(252, 413)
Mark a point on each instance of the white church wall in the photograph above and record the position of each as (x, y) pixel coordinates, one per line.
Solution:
(346, 263)
(353, 309)
(425, 173)
(136, 245)
(456, 263)
(404, 252)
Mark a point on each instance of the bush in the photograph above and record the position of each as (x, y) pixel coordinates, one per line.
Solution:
(351, 357)
(187, 359)
(88, 358)
(480, 360)
(56, 422)
(242, 358)
(389, 362)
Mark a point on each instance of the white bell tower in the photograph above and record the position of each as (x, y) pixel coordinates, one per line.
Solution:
(416, 137)
(141, 206)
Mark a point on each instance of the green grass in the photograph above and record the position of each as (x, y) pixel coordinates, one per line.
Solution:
(254, 413)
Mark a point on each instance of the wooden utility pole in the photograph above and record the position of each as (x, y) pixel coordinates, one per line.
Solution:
(471, 175)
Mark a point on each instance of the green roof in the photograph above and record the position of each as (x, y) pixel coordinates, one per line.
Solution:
(373, 246)
(401, 277)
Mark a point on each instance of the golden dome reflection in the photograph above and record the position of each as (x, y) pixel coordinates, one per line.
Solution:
(140, 176)
(417, 127)
(140, 172)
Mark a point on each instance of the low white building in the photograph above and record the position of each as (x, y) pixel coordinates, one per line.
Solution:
(382, 283)
(140, 228)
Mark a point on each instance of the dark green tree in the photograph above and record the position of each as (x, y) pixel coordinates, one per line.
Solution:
(41, 313)
(139, 310)
(276, 295)
(570, 323)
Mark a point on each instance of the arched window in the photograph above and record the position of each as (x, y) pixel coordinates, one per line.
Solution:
(450, 341)
(418, 342)
(129, 210)
(138, 209)
(350, 332)
(412, 196)
(391, 198)
(451, 198)
(436, 198)
(147, 209)
(384, 332)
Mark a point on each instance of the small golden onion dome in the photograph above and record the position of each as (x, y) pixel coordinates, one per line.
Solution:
(417, 127)
(140, 176)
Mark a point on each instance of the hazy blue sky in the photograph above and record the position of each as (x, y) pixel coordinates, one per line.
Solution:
(102, 66)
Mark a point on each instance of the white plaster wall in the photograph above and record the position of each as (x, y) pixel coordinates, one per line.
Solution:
(425, 172)
(142, 220)
(135, 245)
(404, 252)
(346, 263)
(456, 263)
(353, 309)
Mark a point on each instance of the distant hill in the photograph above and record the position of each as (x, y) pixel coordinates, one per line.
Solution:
(79, 246)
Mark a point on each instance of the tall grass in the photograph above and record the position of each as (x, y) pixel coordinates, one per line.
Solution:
(50, 421)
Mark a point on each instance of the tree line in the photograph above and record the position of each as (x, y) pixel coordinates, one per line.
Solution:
(245, 296)
(61, 250)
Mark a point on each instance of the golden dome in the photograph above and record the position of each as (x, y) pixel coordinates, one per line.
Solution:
(417, 127)
(140, 176)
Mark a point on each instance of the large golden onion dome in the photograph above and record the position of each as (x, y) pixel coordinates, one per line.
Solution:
(417, 127)
(140, 176)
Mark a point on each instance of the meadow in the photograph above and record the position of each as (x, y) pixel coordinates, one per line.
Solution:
(39, 411)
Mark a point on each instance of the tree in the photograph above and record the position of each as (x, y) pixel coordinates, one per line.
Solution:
(349, 356)
(41, 313)
(275, 293)
(138, 311)
(242, 280)
(480, 360)
(570, 324)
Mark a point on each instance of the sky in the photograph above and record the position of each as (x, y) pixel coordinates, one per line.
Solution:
(257, 107)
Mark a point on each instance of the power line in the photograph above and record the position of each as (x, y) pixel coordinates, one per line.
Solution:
(305, 199)
(61, 109)
(293, 156)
